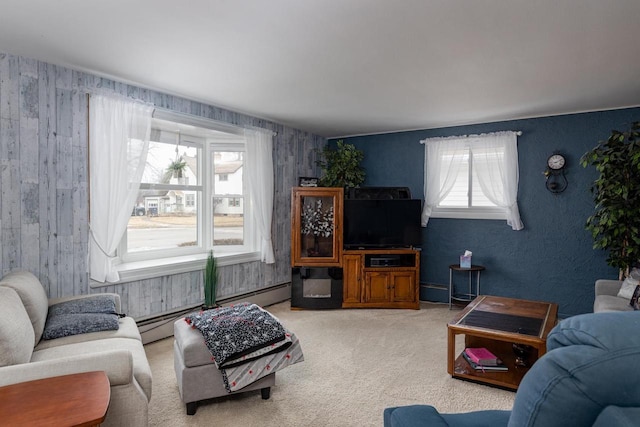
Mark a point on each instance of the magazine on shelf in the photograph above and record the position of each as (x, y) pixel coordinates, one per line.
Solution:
(484, 368)
(483, 356)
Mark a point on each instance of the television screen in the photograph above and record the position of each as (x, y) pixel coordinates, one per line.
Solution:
(382, 223)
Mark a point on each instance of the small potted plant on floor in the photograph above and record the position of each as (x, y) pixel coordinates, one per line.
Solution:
(210, 282)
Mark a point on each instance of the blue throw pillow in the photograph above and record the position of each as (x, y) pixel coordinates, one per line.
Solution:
(93, 304)
(64, 325)
(80, 316)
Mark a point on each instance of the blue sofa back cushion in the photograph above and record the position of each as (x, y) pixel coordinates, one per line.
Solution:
(591, 364)
(81, 316)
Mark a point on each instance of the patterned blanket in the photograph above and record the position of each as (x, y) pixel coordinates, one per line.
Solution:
(246, 342)
(241, 376)
(240, 333)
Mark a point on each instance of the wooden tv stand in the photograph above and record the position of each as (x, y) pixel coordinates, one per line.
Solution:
(381, 278)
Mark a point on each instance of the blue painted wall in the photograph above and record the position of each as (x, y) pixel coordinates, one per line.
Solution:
(552, 259)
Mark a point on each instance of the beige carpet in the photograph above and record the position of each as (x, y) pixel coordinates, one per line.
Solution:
(357, 362)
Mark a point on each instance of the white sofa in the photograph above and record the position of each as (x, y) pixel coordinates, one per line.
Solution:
(25, 355)
(607, 298)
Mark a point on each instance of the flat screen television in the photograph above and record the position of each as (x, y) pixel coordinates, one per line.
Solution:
(392, 223)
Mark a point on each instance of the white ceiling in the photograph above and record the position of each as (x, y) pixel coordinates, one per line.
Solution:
(349, 67)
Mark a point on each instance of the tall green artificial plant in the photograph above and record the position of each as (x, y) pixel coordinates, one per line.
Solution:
(210, 281)
(615, 224)
(341, 166)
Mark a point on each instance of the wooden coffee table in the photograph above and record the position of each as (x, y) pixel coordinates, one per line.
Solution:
(68, 400)
(497, 323)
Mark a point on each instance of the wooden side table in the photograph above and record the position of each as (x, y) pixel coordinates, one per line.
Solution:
(68, 400)
(470, 295)
(498, 323)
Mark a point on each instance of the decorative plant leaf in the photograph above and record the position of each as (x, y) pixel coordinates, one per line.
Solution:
(341, 166)
(210, 280)
(616, 193)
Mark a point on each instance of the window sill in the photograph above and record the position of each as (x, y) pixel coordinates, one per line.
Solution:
(141, 270)
(466, 213)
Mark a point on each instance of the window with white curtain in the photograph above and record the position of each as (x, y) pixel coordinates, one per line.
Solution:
(157, 205)
(178, 189)
(472, 176)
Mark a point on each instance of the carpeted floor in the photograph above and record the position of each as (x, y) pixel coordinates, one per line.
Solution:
(357, 362)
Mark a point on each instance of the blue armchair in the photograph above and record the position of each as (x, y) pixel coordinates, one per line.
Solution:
(590, 376)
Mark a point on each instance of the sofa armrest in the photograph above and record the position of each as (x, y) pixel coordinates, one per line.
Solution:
(617, 416)
(608, 287)
(118, 365)
(77, 297)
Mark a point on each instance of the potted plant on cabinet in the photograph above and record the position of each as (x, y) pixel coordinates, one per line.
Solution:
(210, 279)
(341, 166)
(615, 224)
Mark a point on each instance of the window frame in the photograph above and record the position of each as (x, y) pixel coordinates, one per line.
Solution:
(137, 266)
(469, 212)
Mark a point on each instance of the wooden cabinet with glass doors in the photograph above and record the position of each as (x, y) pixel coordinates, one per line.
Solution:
(316, 226)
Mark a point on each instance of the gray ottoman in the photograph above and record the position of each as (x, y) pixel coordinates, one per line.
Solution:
(197, 375)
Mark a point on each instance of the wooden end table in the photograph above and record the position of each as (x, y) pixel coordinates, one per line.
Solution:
(68, 400)
(497, 323)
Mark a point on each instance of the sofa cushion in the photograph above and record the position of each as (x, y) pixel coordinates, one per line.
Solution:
(611, 303)
(127, 328)
(33, 297)
(427, 415)
(628, 286)
(16, 331)
(618, 416)
(80, 316)
(589, 366)
(141, 368)
(191, 344)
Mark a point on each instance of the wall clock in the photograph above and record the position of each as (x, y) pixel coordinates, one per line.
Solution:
(556, 181)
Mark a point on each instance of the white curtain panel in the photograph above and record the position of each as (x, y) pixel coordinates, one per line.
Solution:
(495, 159)
(118, 145)
(443, 158)
(259, 167)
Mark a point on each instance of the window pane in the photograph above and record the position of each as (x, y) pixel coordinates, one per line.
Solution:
(163, 221)
(166, 166)
(228, 222)
(228, 198)
(477, 196)
(166, 218)
(459, 195)
(492, 159)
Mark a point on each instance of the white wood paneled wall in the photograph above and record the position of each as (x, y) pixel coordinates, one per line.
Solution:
(44, 187)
